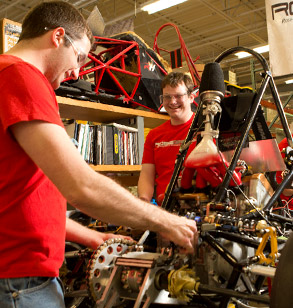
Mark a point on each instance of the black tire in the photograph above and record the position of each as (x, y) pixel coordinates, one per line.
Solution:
(281, 296)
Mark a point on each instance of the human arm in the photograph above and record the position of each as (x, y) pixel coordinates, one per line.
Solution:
(80, 234)
(146, 182)
(98, 196)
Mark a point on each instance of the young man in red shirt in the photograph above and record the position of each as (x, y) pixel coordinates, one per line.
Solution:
(41, 168)
(163, 142)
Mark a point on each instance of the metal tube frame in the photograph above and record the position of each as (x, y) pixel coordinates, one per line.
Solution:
(267, 80)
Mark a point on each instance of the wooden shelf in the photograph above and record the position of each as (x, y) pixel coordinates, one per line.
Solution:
(126, 175)
(92, 111)
(273, 106)
(117, 168)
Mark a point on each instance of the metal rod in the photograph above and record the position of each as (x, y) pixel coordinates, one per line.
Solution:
(288, 179)
(220, 249)
(221, 193)
(276, 117)
(281, 112)
(231, 293)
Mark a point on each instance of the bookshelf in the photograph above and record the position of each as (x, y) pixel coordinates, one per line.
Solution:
(103, 113)
(117, 168)
(91, 111)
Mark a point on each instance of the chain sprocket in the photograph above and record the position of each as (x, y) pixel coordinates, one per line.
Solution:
(101, 264)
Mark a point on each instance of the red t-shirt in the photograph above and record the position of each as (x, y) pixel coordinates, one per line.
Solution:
(161, 148)
(32, 210)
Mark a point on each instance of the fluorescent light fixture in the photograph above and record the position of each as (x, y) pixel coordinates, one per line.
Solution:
(289, 81)
(243, 54)
(160, 5)
(262, 49)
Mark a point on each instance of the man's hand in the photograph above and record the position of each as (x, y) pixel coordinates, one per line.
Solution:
(183, 232)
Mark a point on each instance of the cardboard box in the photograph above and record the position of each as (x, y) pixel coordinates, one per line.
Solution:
(184, 69)
(199, 67)
(230, 77)
(9, 34)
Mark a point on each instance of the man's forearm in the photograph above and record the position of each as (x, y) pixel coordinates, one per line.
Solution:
(96, 195)
(145, 192)
(109, 202)
(80, 234)
(146, 182)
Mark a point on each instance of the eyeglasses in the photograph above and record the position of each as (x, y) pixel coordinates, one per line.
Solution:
(81, 56)
(168, 98)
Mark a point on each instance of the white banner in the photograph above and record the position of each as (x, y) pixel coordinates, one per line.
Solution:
(280, 34)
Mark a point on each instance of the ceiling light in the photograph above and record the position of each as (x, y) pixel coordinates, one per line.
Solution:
(153, 7)
(262, 49)
(244, 54)
(289, 81)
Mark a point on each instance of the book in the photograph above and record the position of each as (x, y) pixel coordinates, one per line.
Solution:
(80, 137)
(116, 147)
(76, 131)
(90, 151)
(125, 134)
(99, 148)
(94, 145)
(124, 127)
(85, 141)
(108, 145)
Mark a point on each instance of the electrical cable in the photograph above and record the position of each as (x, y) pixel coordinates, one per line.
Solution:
(242, 192)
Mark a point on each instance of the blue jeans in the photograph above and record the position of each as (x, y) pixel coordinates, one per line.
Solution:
(31, 292)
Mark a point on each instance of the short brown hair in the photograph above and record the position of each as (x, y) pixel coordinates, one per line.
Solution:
(173, 79)
(51, 15)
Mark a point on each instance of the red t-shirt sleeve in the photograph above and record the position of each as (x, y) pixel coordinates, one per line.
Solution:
(29, 94)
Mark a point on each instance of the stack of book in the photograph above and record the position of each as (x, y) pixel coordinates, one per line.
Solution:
(107, 144)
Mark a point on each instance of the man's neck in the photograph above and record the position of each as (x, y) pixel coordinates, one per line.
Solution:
(28, 52)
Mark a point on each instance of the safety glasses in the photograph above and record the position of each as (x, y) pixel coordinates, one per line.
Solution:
(81, 55)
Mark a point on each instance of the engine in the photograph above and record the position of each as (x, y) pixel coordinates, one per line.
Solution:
(236, 251)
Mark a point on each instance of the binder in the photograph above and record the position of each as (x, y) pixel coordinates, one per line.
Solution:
(108, 145)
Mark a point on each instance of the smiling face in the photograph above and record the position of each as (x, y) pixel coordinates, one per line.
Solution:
(177, 103)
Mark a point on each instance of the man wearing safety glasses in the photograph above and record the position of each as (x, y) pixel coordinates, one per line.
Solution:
(163, 142)
(40, 168)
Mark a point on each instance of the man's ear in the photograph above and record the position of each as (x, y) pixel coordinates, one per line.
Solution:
(192, 97)
(58, 36)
